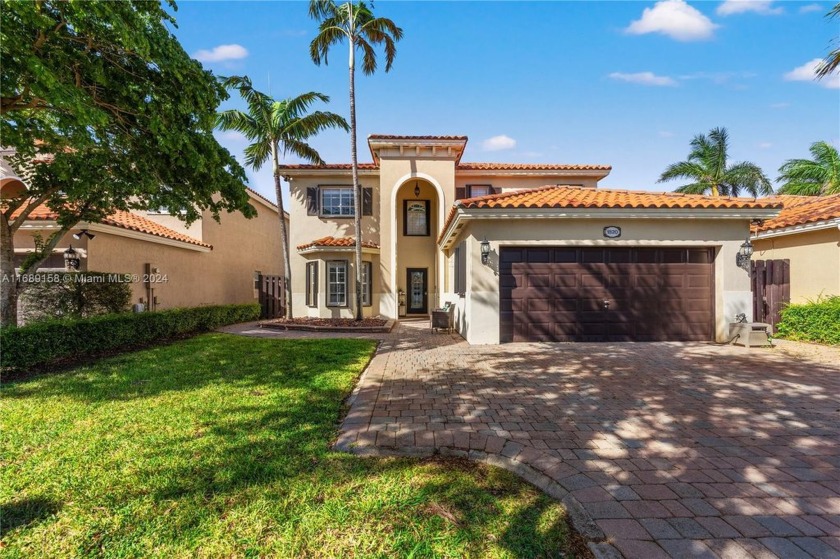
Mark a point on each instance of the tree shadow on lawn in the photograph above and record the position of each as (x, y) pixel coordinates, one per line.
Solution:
(26, 512)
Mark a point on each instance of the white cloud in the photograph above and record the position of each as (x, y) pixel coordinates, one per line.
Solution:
(232, 136)
(498, 143)
(808, 8)
(221, 53)
(676, 19)
(644, 78)
(808, 73)
(666, 134)
(765, 145)
(719, 78)
(763, 7)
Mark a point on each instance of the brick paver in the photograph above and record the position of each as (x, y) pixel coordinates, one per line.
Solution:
(660, 449)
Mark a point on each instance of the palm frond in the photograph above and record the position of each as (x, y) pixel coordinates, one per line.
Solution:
(300, 104)
(368, 56)
(747, 176)
(684, 170)
(302, 150)
(257, 154)
(322, 9)
(238, 121)
(314, 123)
(330, 33)
(694, 188)
(820, 176)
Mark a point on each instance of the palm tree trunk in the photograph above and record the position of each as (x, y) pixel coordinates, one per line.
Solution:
(284, 237)
(8, 280)
(357, 188)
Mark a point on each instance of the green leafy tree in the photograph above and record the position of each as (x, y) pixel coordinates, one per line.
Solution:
(832, 61)
(273, 127)
(709, 171)
(819, 176)
(355, 23)
(105, 111)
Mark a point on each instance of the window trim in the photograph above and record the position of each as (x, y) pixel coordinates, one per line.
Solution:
(346, 266)
(312, 283)
(367, 283)
(405, 219)
(325, 187)
(459, 280)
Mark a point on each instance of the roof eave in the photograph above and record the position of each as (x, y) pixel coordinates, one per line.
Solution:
(831, 223)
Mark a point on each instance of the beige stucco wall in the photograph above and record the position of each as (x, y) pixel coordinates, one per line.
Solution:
(224, 275)
(523, 181)
(478, 311)
(814, 261)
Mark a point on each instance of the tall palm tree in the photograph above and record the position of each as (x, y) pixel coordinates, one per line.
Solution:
(355, 22)
(708, 169)
(273, 127)
(817, 177)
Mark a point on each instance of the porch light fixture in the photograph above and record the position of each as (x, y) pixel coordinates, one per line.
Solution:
(71, 259)
(485, 251)
(416, 189)
(744, 257)
(84, 233)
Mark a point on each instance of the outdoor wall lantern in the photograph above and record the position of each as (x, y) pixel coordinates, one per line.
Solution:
(84, 233)
(71, 259)
(744, 257)
(416, 189)
(485, 251)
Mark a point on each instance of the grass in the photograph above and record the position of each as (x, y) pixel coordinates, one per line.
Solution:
(218, 446)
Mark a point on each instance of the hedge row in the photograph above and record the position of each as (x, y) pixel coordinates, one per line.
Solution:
(812, 322)
(46, 342)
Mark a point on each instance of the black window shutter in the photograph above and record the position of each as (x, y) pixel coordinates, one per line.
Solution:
(460, 193)
(312, 200)
(367, 201)
(494, 190)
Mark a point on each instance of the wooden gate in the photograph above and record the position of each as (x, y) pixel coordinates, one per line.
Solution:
(272, 294)
(771, 289)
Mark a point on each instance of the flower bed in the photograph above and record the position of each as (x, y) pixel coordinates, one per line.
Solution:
(368, 325)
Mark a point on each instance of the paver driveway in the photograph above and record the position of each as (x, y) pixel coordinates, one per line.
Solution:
(658, 449)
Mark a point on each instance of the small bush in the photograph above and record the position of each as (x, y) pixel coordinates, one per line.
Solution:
(818, 322)
(43, 343)
(50, 295)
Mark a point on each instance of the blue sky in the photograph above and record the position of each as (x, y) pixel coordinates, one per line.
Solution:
(623, 83)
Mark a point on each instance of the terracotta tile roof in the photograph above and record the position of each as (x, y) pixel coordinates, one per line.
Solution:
(530, 167)
(802, 210)
(558, 196)
(340, 242)
(403, 137)
(341, 166)
(124, 220)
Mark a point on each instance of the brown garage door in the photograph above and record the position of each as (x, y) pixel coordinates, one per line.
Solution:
(606, 294)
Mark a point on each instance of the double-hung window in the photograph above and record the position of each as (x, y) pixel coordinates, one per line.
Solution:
(337, 283)
(367, 285)
(337, 201)
(312, 284)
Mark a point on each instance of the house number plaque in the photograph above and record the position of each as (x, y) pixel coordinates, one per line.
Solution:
(612, 232)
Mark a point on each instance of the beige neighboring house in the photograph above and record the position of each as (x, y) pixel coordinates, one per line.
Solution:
(173, 265)
(807, 233)
(524, 251)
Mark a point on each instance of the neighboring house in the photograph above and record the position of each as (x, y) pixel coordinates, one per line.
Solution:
(807, 234)
(565, 260)
(173, 265)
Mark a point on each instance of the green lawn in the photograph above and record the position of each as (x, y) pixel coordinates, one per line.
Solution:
(218, 446)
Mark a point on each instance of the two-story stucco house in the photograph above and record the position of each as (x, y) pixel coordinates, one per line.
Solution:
(524, 251)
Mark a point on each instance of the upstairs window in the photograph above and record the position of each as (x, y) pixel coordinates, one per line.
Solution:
(337, 202)
(477, 190)
(416, 218)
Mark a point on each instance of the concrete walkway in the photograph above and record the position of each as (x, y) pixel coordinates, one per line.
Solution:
(657, 449)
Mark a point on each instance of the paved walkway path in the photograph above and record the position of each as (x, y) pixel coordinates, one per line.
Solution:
(657, 449)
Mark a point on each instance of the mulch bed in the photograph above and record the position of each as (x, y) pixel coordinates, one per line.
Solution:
(330, 324)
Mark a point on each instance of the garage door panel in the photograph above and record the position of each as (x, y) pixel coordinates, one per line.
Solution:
(654, 293)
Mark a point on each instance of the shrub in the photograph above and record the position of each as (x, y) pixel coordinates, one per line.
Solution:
(49, 295)
(817, 321)
(42, 343)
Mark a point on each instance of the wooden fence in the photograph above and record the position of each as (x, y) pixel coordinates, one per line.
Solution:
(272, 296)
(771, 289)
